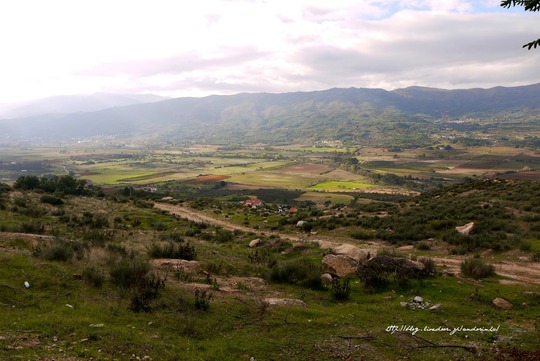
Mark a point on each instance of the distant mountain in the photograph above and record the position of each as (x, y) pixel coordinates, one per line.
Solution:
(65, 104)
(352, 114)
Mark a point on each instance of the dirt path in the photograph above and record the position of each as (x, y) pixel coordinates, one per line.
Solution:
(517, 272)
(197, 216)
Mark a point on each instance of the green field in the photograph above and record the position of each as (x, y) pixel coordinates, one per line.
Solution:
(340, 186)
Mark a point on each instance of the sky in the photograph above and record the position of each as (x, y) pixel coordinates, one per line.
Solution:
(197, 48)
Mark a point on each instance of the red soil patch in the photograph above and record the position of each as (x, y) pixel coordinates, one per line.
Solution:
(207, 178)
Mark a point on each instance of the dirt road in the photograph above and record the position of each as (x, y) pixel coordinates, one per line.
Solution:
(520, 272)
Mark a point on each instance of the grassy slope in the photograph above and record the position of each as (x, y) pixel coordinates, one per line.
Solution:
(37, 323)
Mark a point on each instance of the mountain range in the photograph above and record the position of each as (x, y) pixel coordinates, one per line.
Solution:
(345, 114)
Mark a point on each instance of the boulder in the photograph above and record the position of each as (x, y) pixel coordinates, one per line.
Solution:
(326, 278)
(502, 303)
(300, 223)
(465, 229)
(338, 265)
(254, 243)
(284, 302)
(350, 251)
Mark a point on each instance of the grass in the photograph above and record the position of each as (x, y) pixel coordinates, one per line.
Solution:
(340, 186)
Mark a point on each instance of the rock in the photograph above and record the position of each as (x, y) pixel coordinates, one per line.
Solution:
(435, 307)
(418, 299)
(254, 243)
(351, 251)
(465, 229)
(300, 223)
(189, 267)
(284, 302)
(26, 284)
(167, 199)
(326, 278)
(502, 303)
(403, 304)
(340, 266)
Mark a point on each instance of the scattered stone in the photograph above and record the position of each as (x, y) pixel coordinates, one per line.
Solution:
(350, 251)
(284, 302)
(416, 303)
(338, 265)
(96, 325)
(435, 307)
(465, 229)
(326, 278)
(300, 223)
(68, 305)
(26, 284)
(254, 243)
(502, 303)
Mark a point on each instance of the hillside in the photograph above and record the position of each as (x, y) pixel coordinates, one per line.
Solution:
(351, 115)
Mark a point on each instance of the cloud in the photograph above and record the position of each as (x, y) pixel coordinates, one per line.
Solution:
(226, 46)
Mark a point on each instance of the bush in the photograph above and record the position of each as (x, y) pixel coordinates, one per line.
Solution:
(173, 250)
(536, 256)
(341, 289)
(202, 299)
(431, 268)
(298, 272)
(476, 268)
(61, 250)
(129, 272)
(94, 276)
(50, 199)
(147, 290)
(422, 246)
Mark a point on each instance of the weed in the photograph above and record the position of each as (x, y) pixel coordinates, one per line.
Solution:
(202, 299)
(341, 289)
(147, 289)
(93, 276)
(476, 268)
(173, 250)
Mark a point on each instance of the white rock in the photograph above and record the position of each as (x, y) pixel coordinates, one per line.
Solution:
(26, 284)
(418, 299)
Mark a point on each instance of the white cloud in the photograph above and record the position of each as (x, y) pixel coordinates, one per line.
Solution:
(226, 46)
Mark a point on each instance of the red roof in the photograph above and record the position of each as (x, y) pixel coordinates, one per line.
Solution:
(253, 203)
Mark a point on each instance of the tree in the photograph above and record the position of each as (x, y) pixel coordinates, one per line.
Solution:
(529, 5)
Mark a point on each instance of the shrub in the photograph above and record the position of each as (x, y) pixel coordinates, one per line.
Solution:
(50, 199)
(173, 250)
(298, 272)
(341, 289)
(536, 256)
(430, 267)
(202, 299)
(147, 289)
(476, 268)
(422, 246)
(94, 276)
(61, 250)
(129, 272)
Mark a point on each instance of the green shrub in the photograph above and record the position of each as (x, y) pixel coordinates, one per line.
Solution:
(298, 272)
(476, 268)
(147, 290)
(422, 246)
(61, 250)
(536, 256)
(173, 250)
(129, 272)
(202, 299)
(93, 276)
(430, 266)
(50, 199)
(341, 289)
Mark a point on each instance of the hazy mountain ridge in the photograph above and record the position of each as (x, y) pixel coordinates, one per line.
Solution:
(335, 113)
(65, 104)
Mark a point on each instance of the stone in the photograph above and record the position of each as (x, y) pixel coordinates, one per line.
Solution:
(351, 251)
(300, 223)
(502, 303)
(284, 302)
(403, 304)
(418, 299)
(435, 307)
(338, 265)
(465, 229)
(254, 243)
(326, 278)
